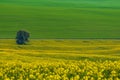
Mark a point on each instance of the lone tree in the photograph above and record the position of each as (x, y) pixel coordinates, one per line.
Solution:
(22, 37)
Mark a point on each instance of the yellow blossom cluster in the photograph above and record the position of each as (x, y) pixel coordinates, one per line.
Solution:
(61, 70)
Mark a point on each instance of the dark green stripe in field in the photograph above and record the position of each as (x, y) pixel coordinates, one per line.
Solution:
(61, 18)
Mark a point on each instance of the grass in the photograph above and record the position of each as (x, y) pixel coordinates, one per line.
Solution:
(51, 19)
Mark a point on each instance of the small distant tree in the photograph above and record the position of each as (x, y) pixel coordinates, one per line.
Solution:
(22, 37)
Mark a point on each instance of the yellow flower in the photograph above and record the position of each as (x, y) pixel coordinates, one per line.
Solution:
(7, 79)
(31, 76)
(1, 74)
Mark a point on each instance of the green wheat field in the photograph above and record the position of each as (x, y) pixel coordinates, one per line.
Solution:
(69, 40)
(50, 19)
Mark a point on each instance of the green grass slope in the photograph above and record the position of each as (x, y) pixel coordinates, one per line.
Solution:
(60, 18)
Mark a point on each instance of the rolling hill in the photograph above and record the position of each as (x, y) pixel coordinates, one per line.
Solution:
(66, 19)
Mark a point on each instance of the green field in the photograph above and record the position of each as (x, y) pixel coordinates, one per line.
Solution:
(60, 18)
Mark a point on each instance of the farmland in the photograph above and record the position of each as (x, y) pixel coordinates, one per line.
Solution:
(60, 60)
(66, 19)
(70, 40)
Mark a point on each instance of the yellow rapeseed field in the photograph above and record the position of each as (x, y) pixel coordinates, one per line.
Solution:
(60, 60)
